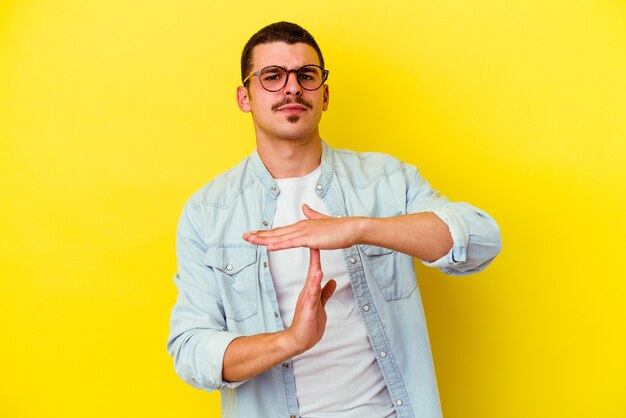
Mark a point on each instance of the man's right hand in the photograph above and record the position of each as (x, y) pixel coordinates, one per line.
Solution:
(249, 356)
(309, 318)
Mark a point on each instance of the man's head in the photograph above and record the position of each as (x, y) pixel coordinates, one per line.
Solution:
(286, 32)
(283, 83)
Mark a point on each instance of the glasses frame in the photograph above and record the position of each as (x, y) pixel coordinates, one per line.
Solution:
(296, 71)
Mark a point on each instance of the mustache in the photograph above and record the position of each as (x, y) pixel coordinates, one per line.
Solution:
(287, 100)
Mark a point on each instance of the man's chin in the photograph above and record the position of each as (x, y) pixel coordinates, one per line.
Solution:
(295, 135)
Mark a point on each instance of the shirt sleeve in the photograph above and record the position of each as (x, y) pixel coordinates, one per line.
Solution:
(198, 337)
(475, 235)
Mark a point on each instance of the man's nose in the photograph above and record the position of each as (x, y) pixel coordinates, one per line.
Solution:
(292, 86)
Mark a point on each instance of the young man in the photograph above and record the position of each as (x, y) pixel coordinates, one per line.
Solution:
(297, 292)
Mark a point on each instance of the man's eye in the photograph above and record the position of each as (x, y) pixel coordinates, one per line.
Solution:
(306, 77)
(272, 77)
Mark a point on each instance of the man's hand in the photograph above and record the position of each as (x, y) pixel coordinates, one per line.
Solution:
(318, 231)
(249, 356)
(422, 235)
(309, 318)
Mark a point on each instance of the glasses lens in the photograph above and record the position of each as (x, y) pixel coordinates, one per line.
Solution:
(273, 78)
(310, 77)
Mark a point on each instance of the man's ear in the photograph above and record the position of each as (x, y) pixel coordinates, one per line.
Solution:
(243, 99)
(326, 97)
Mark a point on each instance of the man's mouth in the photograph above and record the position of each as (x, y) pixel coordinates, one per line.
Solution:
(292, 109)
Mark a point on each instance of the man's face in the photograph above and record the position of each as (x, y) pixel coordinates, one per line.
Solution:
(292, 112)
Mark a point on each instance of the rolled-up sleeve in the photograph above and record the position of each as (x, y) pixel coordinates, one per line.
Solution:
(198, 337)
(475, 235)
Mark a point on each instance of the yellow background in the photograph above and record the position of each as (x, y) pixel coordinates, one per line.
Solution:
(113, 112)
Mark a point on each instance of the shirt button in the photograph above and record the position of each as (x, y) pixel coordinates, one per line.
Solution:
(383, 354)
(229, 267)
(273, 189)
(399, 402)
(265, 223)
(366, 308)
(276, 314)
(285, 365)
(352, 260)
(265, 264)
(319, 187)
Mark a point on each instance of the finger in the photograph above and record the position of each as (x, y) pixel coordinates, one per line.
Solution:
(310, 292)
(274, 232)
(312, 214)
(315, 288)
(313, 277)
(314, 261)
(327, 291)
(280, 230)
(256, 239)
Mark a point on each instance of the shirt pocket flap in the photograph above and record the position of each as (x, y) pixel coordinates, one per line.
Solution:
(393, 271)
(371, 250)
(230, 260)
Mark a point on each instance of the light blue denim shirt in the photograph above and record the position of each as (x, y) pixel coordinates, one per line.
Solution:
(225, 289)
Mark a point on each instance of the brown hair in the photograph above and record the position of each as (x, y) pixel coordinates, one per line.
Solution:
(289, 33)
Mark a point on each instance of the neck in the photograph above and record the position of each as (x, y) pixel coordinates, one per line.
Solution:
(288, 158)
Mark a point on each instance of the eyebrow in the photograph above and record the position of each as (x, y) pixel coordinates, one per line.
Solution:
(272, 67)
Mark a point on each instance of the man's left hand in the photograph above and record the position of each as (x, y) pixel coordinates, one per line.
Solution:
(318, 231)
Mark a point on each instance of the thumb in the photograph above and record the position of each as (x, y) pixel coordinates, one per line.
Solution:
(312, 214)
(328, 290)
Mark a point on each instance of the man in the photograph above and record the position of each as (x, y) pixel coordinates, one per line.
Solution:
(297, 292)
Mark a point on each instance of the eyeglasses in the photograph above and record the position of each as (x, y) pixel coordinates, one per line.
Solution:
(273, 78)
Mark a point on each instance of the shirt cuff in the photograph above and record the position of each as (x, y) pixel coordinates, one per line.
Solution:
(460, 238)
(218, 343)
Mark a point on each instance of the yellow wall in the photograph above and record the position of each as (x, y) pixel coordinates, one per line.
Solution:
(113, 112)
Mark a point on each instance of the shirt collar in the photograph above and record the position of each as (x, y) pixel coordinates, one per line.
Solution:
(268, 182)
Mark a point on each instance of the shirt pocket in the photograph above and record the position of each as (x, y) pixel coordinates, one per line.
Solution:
(236, 276)
(389, 272)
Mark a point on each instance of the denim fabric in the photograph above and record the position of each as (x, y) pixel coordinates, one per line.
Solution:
(226, 291)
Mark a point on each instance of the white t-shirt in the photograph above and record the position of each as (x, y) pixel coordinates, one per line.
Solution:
(339, 376)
